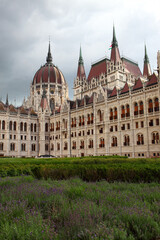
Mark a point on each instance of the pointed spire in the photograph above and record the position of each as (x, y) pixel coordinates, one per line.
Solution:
(114, 41)
(146, 68)
(7, 102)
(146, 59)
(115, 55)
(49, 56)
(80, 62)
(81, 70)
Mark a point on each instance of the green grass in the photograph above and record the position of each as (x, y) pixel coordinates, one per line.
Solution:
(113, 168)
(74, 209)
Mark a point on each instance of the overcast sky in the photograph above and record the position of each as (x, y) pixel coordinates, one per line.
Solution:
(25, 26)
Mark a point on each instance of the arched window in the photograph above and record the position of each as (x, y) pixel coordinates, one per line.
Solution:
(156, 104)
(83, 123)
(65, 146)
(126, 140)
(111, 114)
(10, 125)
(102, 144)
(115, 113)
(46, 147)
(23, 147)
(122, 111)
(114, 142)
(82, 144)
(100, 115)
(90, 143)
(1, 146)
(92, 117)
(150, 106)
(52, 147)
(33, 147)
(155, 138)
(58, 146)
(141, 111)
(15, 126)
(31, 127)
(135, 108)
(74, 145)
(12, 147)
(21, 126)
(46, 128)
(3, 125)
(127, 110)
(35, 127)
(25, 127)
(140, 139)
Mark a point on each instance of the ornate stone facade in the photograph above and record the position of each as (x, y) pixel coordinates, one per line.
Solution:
(116, 110)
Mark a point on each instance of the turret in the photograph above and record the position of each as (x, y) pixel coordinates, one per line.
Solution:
(146, 68)
(115, 55)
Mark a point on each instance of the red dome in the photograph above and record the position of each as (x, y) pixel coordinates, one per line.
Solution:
(48, 74)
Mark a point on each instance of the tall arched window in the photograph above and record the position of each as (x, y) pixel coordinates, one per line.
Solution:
(150, 106)
(126, 140)
(127, 110)
(10, 125)
(31, 127)
(46, 127)
(135, 108)
(114, 142)
(21, 126)
(1, 146)
(155, 138)
(3, 125)
(115, 113)
(74, 145)
(141, 111)
(82, 144)
(90, 143)
(111, 114)
(15, 126)
(156, 105)
(102, 144)
(25, 127)
(140, 139)
(65, 145)
(35, 127)
(122, 111)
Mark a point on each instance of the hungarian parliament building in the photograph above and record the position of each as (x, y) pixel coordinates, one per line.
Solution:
(115, 111)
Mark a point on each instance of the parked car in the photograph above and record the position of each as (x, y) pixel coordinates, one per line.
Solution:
(45, 156)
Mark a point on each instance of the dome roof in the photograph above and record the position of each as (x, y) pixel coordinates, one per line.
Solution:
(48, 73)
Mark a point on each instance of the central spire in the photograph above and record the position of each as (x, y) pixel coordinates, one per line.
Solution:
(49, 56)
(115, 55)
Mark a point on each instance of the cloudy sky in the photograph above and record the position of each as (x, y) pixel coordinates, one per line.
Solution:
(25, 27)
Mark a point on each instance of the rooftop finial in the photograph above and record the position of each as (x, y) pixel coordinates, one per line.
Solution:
(114, 41)
(49, 56)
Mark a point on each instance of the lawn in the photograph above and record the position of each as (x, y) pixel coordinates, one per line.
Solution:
(33, 209)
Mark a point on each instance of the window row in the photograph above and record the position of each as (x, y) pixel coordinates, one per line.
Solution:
(153, 106)
(13, 147)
